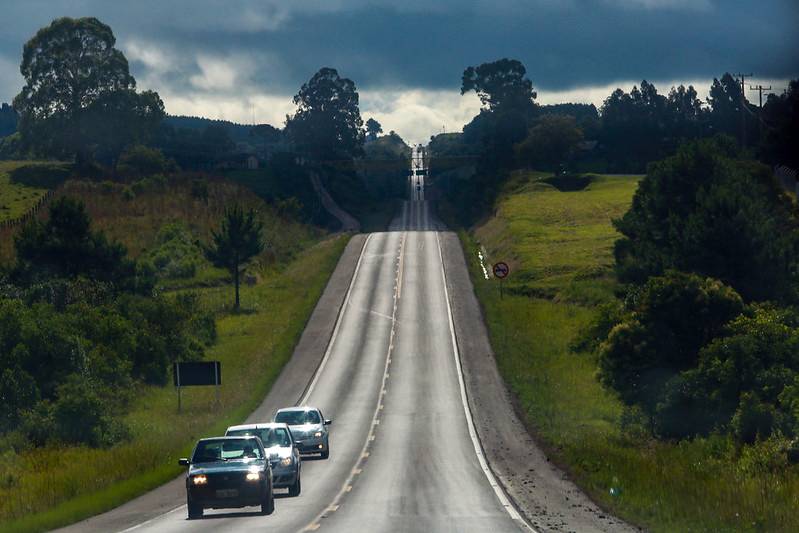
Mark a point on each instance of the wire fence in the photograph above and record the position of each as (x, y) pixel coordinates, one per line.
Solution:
(787, 177)
(30, 214)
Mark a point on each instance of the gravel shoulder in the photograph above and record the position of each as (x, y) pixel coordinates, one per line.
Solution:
(542, 492)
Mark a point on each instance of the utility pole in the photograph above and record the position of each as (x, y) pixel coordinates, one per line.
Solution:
(743, 104)
(759, 88)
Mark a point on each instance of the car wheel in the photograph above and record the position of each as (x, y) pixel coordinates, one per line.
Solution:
(295, 489)
(195, 511)
(268, 503)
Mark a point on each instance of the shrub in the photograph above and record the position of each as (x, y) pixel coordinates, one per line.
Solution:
(665, 326)
(81, 415)
(753, 419)
(139, 161)
(176, 255)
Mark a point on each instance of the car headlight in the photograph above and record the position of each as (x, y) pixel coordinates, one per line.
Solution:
(286, 461)
(199, 479)
(317, 434)
(253, 476)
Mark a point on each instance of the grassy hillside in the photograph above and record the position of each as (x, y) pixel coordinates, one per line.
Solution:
(42, 488)
(559, 247)
(133, 215)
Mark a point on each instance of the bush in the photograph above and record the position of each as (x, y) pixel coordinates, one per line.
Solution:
(81, 415)
(176, 255)
(752, 419)
(665, 326)
(45, 176)
(140, 161)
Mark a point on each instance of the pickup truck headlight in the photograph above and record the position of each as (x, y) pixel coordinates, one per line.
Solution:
(199, 479)
(253, 476)
(317, 434)
(286, 461)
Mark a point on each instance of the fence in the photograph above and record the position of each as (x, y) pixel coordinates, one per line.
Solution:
(787, 178)
(30, 214)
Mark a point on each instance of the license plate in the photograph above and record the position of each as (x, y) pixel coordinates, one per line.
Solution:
(227, 493)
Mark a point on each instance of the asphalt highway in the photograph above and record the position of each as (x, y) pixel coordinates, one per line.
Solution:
(403, 456)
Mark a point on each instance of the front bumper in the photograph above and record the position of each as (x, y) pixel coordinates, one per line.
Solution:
(312, 445)
(250, 494)
(284, 476)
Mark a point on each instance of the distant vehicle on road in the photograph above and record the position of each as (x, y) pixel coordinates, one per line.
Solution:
(284, 457)
(308, 427)
(228, 472)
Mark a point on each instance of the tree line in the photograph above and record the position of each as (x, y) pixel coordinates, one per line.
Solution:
(628, 131)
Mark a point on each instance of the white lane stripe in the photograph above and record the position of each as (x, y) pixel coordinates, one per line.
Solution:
(478, 448)
(357, 468)
(309, 389)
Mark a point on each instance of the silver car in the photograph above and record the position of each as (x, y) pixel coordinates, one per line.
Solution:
(308, 427)
(281, 450)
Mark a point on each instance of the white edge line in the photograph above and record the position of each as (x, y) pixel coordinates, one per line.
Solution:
(504, 500)
(311, 385)
(137, 526)
(309, 389)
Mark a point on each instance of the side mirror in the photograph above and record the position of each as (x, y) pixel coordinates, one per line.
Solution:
(328, 422)
(183, 461)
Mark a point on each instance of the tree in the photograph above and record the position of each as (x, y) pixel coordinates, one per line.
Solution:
(8, 120)
(65, 247)
(327, 124)
(121, 119)
(667, 322)
(706, 210)
(633, 126)
(373, 129)
(500, 85)
(781, 115)
(238, 239)
(551, 141)
(728, 107)
(685, 112)
(76, 80)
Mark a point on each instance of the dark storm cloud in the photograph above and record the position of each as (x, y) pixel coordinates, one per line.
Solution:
(277, 45)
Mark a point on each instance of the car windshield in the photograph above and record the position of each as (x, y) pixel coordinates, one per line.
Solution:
(269, 436)
(297, 418)
(210, 451)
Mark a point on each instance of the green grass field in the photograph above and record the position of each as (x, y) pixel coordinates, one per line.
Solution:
(45, 488)
(559, 248)
(16, 199)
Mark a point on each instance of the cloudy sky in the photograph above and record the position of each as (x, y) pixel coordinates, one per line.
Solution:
(242, 60)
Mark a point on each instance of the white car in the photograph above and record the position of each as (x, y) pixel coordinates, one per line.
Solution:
(308, 427)
(280, 449)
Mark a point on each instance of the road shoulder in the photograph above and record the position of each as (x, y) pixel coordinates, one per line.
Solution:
(542, 492)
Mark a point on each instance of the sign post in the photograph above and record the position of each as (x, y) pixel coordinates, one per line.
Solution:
(197, 373)
(501, 271)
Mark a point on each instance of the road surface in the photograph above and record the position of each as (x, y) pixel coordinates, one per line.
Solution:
(404, 447)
